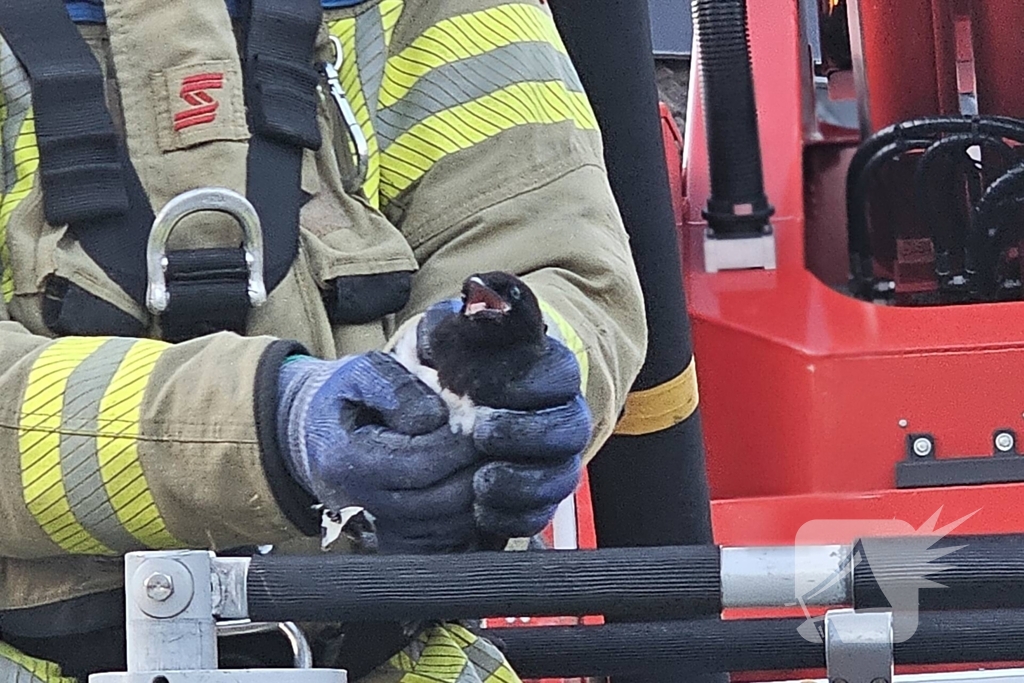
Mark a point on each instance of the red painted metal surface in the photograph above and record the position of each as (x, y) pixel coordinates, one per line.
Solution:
(803, 388)
(998, 45)
(672, 140)
(899, 49)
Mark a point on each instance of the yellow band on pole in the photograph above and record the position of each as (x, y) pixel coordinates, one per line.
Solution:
(658, 408)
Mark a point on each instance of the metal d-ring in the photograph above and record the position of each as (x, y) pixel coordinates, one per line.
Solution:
(185, 204)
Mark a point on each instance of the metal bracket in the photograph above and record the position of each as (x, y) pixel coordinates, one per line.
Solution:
(171, 599)
(859, 646)
(920, 467)
(738, 253)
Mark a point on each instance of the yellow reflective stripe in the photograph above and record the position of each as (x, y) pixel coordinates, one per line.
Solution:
(26, 162)
(40, 669)
(390, 11)
(345, 31)
(78, 438)
(658, 408)
(565, 333)
(462, 37)
(119, 428)
(449, 653)
(39, 442)
(414, 152)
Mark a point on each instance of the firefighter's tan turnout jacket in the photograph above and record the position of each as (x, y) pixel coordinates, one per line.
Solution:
(484, 155)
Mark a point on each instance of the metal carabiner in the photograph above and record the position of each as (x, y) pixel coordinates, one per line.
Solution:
(219, 199)
(332, 72)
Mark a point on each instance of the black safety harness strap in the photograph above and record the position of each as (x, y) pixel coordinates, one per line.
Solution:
(90, 184)
(208, 288)
(87, 180)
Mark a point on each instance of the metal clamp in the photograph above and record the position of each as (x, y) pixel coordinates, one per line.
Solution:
(185, 204)
(739, 253)
(859, 646)
(332, 72)
(171, 599)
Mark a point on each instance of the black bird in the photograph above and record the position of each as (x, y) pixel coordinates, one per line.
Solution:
(472, 358)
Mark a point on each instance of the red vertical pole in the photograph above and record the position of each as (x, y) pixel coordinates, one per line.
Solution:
(998, 28)
(898, 47)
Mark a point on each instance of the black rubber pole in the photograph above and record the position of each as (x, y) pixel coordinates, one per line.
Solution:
(971, 572)
(648, 489)
(668, 649)
(613, 582)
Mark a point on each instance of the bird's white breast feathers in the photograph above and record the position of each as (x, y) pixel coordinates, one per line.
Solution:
(463, 412)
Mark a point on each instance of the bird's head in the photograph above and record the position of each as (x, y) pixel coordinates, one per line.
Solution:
(501, 301)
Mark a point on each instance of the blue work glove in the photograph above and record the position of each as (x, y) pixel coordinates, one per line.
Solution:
(532, 444)
(364, 431)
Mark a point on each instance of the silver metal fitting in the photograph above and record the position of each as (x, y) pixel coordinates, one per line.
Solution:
(159, 586)
(859, 646)
(741, 253)
(785, 575)
(922, 447)
(1004, 442)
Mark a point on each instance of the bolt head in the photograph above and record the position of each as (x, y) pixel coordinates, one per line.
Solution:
(903, 424)
(159, 586)
(1004, 442)
(922, 447)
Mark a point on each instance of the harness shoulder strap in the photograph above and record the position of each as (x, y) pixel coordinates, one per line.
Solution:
(86, 180)
(90, 183)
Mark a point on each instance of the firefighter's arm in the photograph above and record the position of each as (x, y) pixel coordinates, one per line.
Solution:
(492, 160)
(115, 444)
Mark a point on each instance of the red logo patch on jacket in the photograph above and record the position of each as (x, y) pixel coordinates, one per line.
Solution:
(202, 106)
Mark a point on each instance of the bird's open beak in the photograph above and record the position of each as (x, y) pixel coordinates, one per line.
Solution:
(482, 301)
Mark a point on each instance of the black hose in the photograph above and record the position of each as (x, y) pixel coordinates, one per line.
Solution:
(861, 262)
(694, 647)
(928, 127)
(746, 645)
(947, 211)
(613, 582)
(737, 204)
(996, 212)
(980, 572)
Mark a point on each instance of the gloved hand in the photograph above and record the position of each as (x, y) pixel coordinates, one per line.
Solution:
(532, 444)
(364, 431)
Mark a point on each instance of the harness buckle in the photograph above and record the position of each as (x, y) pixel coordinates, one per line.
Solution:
(180, 207)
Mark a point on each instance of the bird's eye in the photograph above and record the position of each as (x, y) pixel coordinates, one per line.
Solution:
(515, 293)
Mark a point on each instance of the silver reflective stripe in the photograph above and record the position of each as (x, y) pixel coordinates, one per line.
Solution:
(470, 79)
(371, 53)
(79, 451)
(16, 98)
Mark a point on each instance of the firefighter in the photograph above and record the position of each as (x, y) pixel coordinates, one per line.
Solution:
(214, 217)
